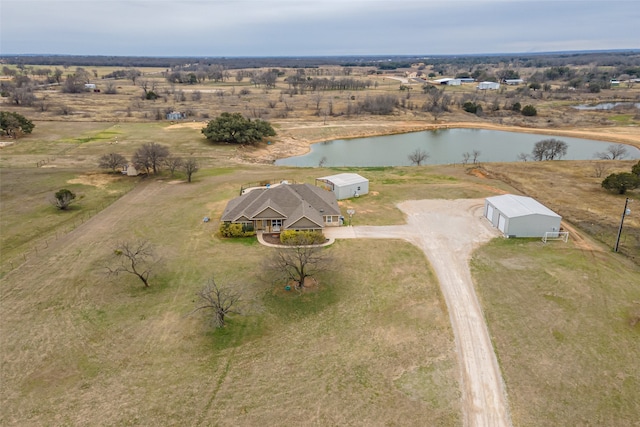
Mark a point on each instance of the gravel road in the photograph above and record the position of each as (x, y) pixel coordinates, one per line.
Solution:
(448, 231)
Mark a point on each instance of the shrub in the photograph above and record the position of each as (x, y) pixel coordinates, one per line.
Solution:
(228, 229)
(470, 107)
(529, 110)
(293, 237)
(63, 198)
(621, 182)
(379, 105)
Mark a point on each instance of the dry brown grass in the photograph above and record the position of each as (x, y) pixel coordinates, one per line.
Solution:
(573, 190)
(373, 348)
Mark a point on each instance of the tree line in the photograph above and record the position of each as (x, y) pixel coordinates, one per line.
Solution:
(150, 157)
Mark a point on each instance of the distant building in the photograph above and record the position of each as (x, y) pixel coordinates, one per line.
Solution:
(89, 86)
(130, 170)
(488, 86)
(513, 82)
(467, 80)
(614, 82)
(176, 115)
(448, 81)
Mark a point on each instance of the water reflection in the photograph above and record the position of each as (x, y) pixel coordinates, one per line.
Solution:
(444, 146)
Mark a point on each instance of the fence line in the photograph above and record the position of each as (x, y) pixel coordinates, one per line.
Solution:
(61, 231)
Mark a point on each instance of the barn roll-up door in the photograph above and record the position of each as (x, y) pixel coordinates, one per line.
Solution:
(502, 222)
(489, 213)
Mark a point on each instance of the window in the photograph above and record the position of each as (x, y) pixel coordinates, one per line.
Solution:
(328, 219)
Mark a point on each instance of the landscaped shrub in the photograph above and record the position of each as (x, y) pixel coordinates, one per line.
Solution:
(228, 229)
(293, 238)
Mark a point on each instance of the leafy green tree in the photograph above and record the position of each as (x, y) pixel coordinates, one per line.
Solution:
(63, 198)
(529, 110)
(14, 124)
(636, 169)
(234, 128)
(621, 182)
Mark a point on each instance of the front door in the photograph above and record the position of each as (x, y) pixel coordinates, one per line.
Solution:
(275, 225)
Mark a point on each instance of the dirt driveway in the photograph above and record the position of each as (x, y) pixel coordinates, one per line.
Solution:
(448, 231)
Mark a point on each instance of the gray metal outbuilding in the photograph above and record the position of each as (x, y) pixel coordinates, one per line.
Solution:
(520, 216)
(344, 185)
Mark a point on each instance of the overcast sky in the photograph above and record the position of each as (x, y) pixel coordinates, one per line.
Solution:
(314, 27)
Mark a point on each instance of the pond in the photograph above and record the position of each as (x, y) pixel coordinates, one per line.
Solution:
(444, 146)
(606, 106)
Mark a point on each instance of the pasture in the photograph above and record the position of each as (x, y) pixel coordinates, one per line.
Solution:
(371, 345)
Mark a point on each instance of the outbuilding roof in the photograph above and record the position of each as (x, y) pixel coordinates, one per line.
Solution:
(514, 206)
(343, 179)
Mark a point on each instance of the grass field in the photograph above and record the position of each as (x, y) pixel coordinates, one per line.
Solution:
(80, 348)
(563, 326)
(371, 345)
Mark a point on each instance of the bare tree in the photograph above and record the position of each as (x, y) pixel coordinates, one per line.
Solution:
(133, 75)
(150, 156)
(475, 154)
(111, 89)
(613, 152)
(190, 167)
(222, 301)
(549, 149)
(465, 158)
(112, 161)
(173, 163)
(136, 258)
(599, 168)
(298, 261)
(418, 157)
(523, 157)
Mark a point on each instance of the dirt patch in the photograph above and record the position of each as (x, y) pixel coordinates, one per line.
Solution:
(186, 125)
(95, 180)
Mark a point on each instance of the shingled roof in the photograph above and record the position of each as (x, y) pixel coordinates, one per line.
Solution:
(289, 202)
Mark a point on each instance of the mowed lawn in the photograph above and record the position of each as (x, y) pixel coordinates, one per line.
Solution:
(371, 345)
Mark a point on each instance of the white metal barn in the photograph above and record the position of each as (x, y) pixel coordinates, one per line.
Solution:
(519, 216)
(488, 86)
(345, 185)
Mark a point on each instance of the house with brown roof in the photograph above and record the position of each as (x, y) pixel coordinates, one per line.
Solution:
(284, 207)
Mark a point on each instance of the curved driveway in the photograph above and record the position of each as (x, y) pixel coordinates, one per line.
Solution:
(448, 231)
